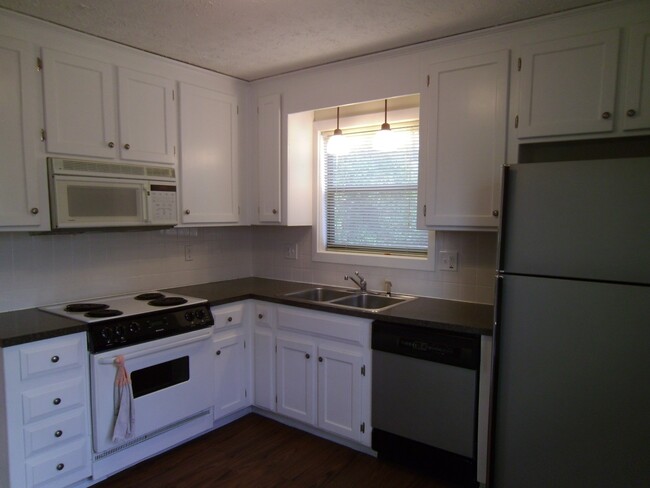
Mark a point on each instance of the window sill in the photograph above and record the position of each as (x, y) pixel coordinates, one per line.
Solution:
(383, 261)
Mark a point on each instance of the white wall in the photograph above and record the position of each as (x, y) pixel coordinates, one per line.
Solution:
(38, 270)
(474, 281)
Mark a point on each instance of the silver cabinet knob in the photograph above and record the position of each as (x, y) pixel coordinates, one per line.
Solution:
(56, 401)
(495, 213)
(307, 356)
(260, 316)
(58, 433)
(54, 359)
(34, 211)
(127, 146)
(111, 144)
(275, 211)
(187, 211)
(218, 353)
(60, 466)
(229, 319)
(606, 115)
(631, 112)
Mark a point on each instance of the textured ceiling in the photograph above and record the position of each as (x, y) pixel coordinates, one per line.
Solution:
(252, 39)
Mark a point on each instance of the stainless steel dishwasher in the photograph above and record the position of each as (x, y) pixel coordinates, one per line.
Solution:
(424, 398)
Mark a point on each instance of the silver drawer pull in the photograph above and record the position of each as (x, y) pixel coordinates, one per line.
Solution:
(58, 433)
(60, 466)
(56, 401)
(55, 359)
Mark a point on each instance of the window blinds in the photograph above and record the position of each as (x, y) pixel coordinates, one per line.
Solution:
(370, 197)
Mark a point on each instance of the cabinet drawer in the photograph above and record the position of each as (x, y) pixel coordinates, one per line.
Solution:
(54, 432)
(63, 353)
(228, 316)
(61, 468)
(264, 315)
(52, 399)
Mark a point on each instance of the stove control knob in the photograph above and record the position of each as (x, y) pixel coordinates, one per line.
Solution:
(189, 316)
(134, 327)
(200, 314)
(107, 333)
(120, 331)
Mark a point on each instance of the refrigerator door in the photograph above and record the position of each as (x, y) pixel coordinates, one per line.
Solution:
(578, 219)
(572, 399)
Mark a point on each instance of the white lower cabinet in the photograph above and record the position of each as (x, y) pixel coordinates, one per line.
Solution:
(323, 371)
(231, 359)
(45, 427)
(340, 376)
(264, 355)
(296, 376)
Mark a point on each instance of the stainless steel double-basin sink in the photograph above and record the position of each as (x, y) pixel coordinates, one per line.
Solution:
(357, 300)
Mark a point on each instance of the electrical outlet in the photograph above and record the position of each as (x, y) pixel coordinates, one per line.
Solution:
(449, 260)
(188, 253)
(291, 250)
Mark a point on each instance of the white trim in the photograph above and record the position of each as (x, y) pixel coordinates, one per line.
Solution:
(319, 253)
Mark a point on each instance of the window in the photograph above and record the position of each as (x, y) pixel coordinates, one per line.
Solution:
(368, 200)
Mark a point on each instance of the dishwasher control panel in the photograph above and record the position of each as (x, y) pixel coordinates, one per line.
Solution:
(428, 344)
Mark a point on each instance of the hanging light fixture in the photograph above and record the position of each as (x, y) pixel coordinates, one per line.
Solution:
(385, 138)
(337, 144)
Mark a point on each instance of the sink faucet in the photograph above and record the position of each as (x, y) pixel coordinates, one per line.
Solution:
(360, 281)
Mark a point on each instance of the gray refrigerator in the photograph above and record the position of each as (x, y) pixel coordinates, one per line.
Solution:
(571, 390)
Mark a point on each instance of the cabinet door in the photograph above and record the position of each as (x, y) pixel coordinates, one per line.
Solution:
(147, 117)
(19, 189)
(568, 86)
(637, 93)
(230, 373)
(79, 105)
(264, 367)
(465, 145)
(296, 379)
(269, 135)
(209, 160)
(339, 392)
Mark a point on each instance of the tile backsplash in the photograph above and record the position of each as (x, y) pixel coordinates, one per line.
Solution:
(38, 270)
(474, 280)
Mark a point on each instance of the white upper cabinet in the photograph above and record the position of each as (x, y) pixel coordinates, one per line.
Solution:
(209, 163)
(463, 141)
(637, 92)
(269, 135)
(80, 110)
(568, 86)
(147, 117)
(79, 105)
(20, 201)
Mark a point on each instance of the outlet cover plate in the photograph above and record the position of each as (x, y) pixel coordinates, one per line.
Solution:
(449, 260)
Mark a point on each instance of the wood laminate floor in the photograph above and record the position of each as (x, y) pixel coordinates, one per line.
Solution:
(258, 452)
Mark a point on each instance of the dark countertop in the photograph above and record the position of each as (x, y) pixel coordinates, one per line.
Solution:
(22, 326)
(472, 318)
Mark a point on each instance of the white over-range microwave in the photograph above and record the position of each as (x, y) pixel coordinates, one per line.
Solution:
(96, 194)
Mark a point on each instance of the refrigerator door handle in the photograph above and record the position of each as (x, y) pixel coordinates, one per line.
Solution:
(502, 215)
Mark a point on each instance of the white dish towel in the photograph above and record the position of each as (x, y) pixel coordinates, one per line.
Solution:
(124, 406)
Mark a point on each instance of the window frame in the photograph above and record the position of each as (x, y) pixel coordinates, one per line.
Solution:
(319, 251)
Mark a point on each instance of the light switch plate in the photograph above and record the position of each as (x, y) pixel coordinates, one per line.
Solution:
(449, 260)
(291, 250)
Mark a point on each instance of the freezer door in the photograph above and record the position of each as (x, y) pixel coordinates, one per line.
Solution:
(572, 405)
(578, 219)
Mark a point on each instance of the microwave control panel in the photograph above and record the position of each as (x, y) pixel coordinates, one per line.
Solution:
(162, 204)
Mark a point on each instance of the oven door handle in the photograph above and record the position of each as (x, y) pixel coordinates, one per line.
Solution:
(153, 350)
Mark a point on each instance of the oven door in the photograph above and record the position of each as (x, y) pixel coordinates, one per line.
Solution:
(170, 378)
